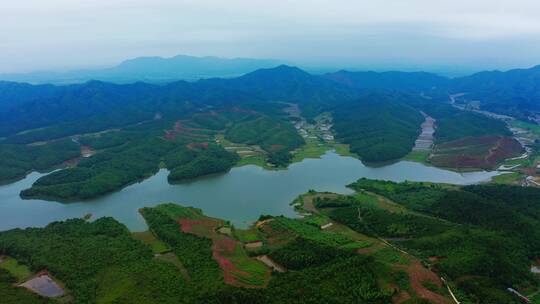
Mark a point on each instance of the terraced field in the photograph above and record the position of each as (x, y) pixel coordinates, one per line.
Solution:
(238, 268)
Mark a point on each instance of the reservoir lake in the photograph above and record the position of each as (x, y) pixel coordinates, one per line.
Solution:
(241, 195)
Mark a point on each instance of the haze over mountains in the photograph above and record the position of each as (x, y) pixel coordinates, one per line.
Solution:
(151, 69)
(160, 70)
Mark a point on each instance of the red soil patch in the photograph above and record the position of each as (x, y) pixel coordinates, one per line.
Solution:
(418, 274)
(225, 244)
(169, 135)
(466, 278)
(401, 297)
(475, 152)
(187, 224)
(367, 250)
(222, 246)
(240, 110)
(506, 147)
(179, 129)
(529, 171)
(276, 147)
(195, 145)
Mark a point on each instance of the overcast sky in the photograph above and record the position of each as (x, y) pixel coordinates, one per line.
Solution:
(61, 34)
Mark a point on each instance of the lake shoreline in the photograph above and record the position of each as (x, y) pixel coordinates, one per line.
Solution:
(223, 195)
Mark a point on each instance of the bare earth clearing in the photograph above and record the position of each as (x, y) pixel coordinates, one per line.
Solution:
(44, 285)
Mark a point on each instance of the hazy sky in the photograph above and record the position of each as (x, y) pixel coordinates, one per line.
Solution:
(58, 34)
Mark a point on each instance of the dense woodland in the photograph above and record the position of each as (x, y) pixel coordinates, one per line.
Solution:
(378, 127)
(186, 147)
(462, 124)
(278, 138)
(18, 160)
(97, 262)
(514, 92)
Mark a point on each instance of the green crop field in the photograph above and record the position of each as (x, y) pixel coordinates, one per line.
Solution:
(148, 238)
(247, 235)
(19, 271)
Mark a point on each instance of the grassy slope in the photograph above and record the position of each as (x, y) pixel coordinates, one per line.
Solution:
(20, 272)
(17, 295)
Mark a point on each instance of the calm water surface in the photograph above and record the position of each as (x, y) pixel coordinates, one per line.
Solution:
(240, 195)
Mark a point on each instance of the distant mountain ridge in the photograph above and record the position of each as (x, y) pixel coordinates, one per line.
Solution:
(152, 69)
(24, 106)
(515, 92)
(392, 80)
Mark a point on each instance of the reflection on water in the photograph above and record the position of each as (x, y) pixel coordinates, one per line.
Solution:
(239, 196)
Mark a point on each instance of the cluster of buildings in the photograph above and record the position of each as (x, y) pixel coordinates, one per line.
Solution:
(320, 130)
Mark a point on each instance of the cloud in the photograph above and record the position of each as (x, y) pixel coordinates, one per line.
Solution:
(63, 33)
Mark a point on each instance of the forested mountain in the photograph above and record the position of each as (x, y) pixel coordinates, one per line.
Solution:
(378, 127)
(373, 114)
(14, 93)
(152, 69)
(515, 92)
(94, 106)
(290, 84)
(24, 106)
